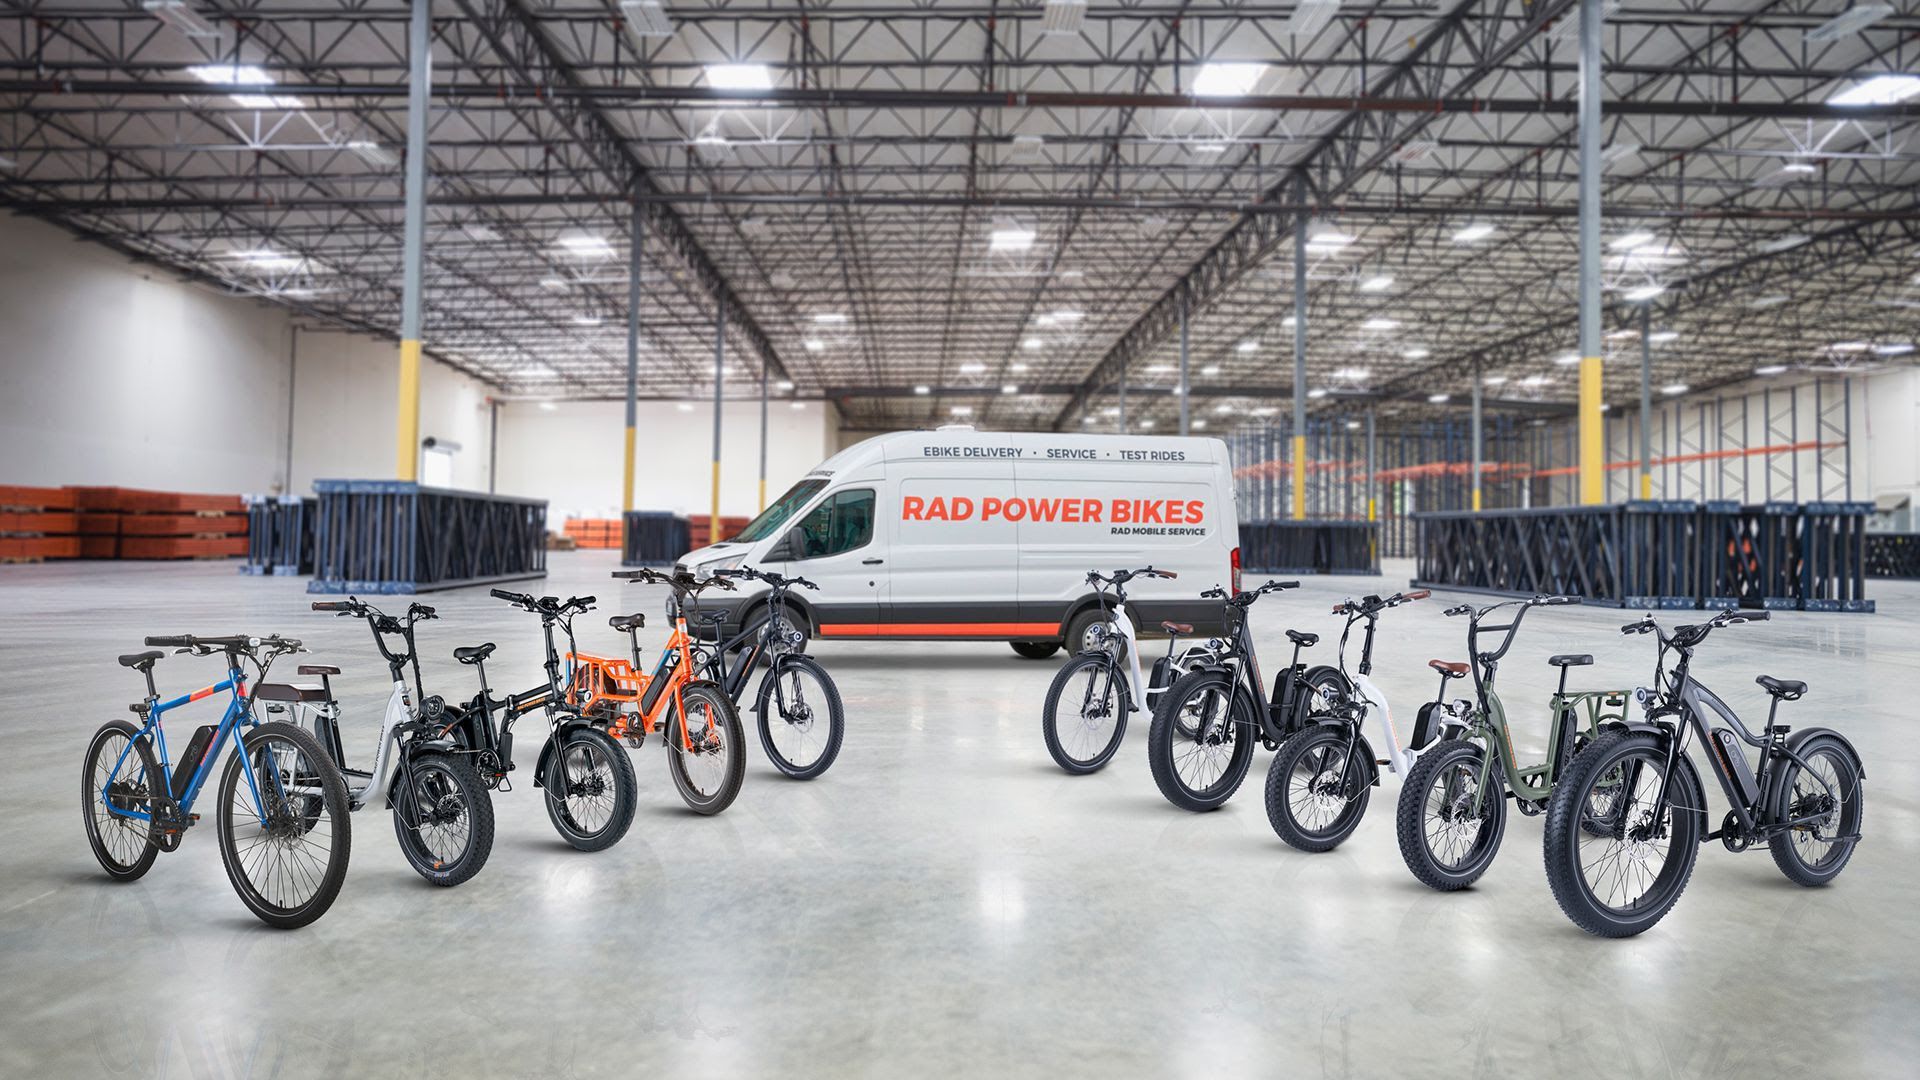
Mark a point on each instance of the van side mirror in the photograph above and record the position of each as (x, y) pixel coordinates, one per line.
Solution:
(791, 547)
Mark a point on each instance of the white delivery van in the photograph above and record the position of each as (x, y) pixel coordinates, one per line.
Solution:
(963, 534)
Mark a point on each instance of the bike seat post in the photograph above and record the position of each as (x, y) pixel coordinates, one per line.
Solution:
(1772, 712)
(633, 644)
(153, 692)
(1563, 681)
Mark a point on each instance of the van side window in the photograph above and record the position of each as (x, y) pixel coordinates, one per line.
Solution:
(842, 523)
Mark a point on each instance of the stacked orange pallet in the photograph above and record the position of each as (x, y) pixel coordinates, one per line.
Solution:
(128, 523)
(594, 532)
(37, 523)
(697, 531)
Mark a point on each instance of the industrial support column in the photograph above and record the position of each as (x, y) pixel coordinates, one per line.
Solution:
(763, 432)
(419, 72)
(1300, 365)
(1477, 429)
(1646, 401)
(1593, 447)
(1373, 503)
(719, 377)
(1185, 386)
(639, 232)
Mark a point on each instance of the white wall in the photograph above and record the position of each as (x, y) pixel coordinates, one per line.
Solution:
(114, 373)
(570, 453)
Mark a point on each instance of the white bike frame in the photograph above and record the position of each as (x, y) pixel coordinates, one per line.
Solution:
(385, 754)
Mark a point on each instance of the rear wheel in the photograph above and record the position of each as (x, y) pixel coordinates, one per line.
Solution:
(284, 837)
(1446, 840)
(120, 774)
(1085, 715)
(1828, 791)
(1621, 883)
(709, 763)
(590, 788)
(1315, 795)
(452, 832)
(1200, 743)
(1035, 650)
(800, 716)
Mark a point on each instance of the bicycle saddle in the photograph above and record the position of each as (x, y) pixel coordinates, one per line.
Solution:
(272, 691)
(1177, 627)
(625, 623)
(1303, 639)
(473, 654)
(1567, 660)
(317, 669)
(1782, 688)
(141, 660)
(1447, 668)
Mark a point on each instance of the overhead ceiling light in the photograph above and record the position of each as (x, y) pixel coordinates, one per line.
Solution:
(960, 410)
(1879, 90)
(1247, 346)
(373, 153)
(244, 75)
(1417, 354)
(1067, 315)
(712, 146)
(1663, 336)
(1033, 344)
(972, 369)
(1800, 168)
(1209, 146)
(1380, 324)
(554, 283)
(1784, 243)
(1415, 151)
(1063, 16)
(587, 320)
(1309, 17)
(1439, 399)
(1026, 147)
(684, 406)
(814, 344)
(1774, 300)
(1158, 369)
(548, 406)
(646, 19)
(1354, 374)
(1088, 419)
(1674, 388)
(830, 318)
(1641, 294)
(1567, 359)
(781, 279)
(740, 76)
(1110, 411)
(266, 259)
(1848, 347)
(923, 390)
(796, 406)
(1010, 388)
(1222, 409)
(1198, 425)
(480, 232)
(784, 384)
(1317, 393)
(1326, 238)
(1534, 382)
(1494, 380)
(1615, 153)
(1227, 80)
(1473, 233)
(1900, 348)
(1630, 241)
(1849, 22)
(177, 14)
(1009, 236)
(1377, 283)
(1146, 425)
(586, 246)
(1770, 369)
(1210, 370)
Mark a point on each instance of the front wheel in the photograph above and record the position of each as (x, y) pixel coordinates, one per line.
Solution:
(590, 788)
(120, 777)
(1621, 883)
(282, 821)
(1200, 744)
(1446, 839)
(706, 752)
(1316, 793)
(446, 827)
(1826, 791)
(1084, 735)
(800, 717)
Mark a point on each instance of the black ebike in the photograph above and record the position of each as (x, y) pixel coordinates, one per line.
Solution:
(797, 705)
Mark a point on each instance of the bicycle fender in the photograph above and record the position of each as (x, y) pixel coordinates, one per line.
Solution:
(560, 729)
(1369, 765)
(1803, 734)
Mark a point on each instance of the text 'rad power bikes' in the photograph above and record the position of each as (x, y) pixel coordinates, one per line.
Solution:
(1452, 812)
(588, 781)
(695, 717)
(1319, 784)
(281, 813)
(442, 814)
(1200, 744)
(1805, 801)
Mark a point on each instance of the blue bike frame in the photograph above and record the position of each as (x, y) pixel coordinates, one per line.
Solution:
(239, 711)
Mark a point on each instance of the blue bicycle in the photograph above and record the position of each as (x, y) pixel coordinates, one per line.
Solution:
(282, 803)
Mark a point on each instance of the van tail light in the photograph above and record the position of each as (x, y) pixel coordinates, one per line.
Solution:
(1236, 571)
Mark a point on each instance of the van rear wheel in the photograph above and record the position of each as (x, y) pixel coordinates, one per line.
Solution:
(1035, 650)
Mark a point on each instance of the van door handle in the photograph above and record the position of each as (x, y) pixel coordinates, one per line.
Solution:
(871, 562)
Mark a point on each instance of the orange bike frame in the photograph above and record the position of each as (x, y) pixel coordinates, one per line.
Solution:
(619, 688)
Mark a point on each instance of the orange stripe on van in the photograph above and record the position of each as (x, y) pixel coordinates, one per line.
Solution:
(942, 629)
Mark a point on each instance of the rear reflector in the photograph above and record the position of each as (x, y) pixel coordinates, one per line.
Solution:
(1236, 571)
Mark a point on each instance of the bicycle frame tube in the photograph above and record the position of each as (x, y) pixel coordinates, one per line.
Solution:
(237, 711)
(1123, 625)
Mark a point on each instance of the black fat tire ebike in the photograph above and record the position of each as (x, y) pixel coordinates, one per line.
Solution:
(442, 814)
(797, 707)
(588, 781)
(1805, 801)
(1200, 744)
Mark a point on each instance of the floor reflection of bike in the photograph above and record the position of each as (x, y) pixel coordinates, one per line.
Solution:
(1804, 801)
(280, 806)
(442, 814)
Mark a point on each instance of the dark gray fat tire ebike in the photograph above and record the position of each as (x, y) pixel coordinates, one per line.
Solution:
(797, 705)
(1200, 744)
(1804, 802)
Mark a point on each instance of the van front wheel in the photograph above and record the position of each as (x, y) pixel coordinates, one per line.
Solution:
(1035, 650)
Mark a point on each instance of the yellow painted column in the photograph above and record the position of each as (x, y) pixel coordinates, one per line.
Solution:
(1593, 446)
(407, 425)
(626, 485)
(763, 493)
(1646, 485)
(713, 519)
(1299, 478)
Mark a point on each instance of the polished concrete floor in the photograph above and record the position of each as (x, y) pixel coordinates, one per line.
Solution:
(944, 901)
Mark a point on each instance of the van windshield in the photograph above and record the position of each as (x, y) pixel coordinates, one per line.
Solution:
(773, 517)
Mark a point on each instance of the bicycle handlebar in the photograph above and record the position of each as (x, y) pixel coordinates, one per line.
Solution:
(1374, 605)
(272, 644)
(778, 581)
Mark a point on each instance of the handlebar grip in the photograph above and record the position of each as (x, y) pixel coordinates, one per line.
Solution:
(1165, 574)
(331, 605)
(502, 594)
(1762, 615)
(1284, 584)
(1417, 594)
(169, 641)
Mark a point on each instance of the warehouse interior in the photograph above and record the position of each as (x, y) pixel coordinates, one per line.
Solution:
(1489, 297)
